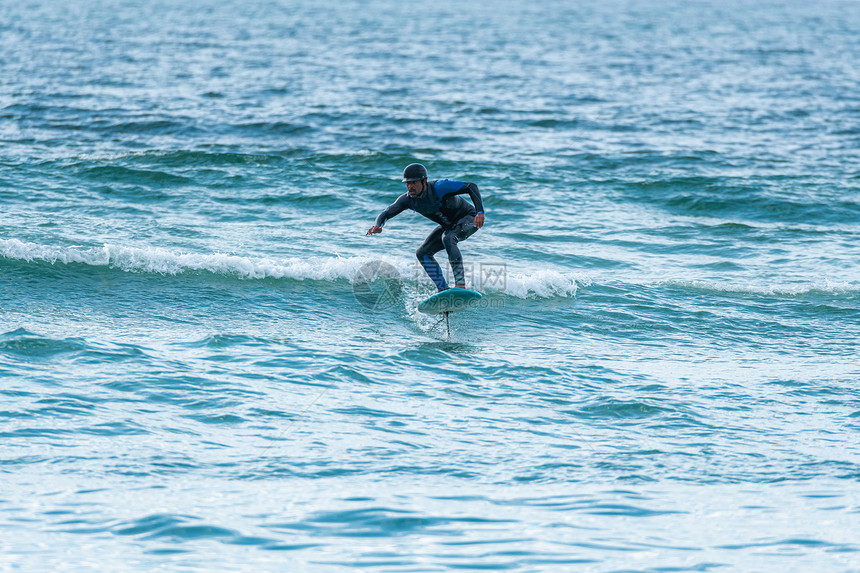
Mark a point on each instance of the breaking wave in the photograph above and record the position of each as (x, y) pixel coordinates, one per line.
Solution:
(542, 283)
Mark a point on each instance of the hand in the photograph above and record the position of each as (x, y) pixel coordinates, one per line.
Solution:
(479, 220)
(373, 230)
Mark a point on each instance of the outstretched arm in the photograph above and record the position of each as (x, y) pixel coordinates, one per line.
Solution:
(392, 211)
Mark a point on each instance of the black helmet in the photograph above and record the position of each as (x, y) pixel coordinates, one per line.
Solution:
(414, 172)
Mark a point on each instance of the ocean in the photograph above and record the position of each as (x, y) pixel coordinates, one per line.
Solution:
(206, 365)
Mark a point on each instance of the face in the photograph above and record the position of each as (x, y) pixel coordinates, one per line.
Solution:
(416, 188)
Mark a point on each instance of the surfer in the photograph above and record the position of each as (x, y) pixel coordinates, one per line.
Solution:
(439, 201)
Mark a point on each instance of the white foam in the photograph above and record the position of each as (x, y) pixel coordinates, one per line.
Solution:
(19, 250)
(781, 289)
(543, 283)
(165, 261)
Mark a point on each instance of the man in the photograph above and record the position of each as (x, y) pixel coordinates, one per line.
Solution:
(439, 201)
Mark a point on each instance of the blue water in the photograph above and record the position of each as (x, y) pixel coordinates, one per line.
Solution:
(203, 370)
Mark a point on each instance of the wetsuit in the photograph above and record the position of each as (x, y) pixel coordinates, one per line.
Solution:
(441, 203)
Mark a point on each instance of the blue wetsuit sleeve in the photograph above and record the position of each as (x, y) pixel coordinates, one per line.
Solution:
(464, 188)
(393, 210)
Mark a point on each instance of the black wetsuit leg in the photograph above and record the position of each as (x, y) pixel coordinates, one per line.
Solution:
(432, 245)
(462, 230)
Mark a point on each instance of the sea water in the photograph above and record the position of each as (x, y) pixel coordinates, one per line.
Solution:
(207, 366)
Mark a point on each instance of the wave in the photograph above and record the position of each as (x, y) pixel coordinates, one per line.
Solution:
(825, 287)
(491, 279)
(543, 283)
(787, 199)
